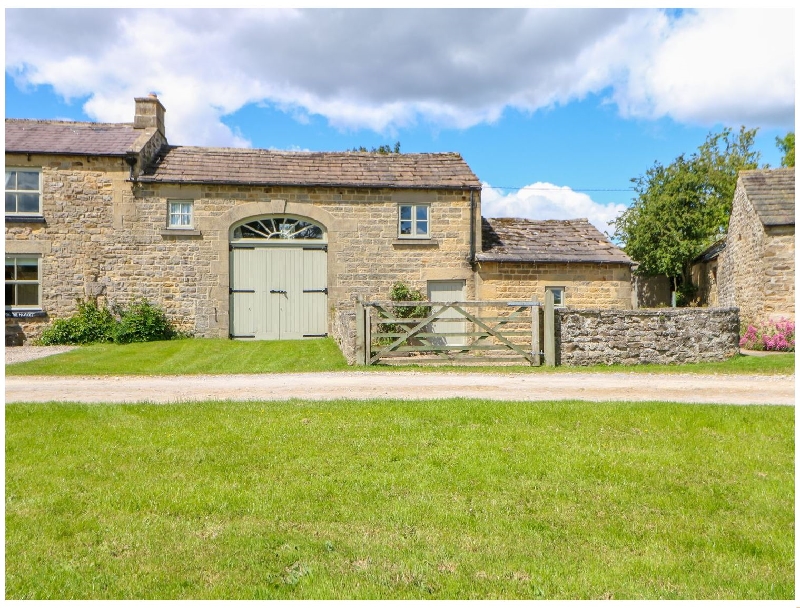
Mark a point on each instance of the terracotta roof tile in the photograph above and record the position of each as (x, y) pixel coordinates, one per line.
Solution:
(267, 167)
(58, 137)
(772, 193)
(521, 240)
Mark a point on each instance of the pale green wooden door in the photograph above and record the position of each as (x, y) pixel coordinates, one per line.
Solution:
(314, 304)
(278, 293)
(450, 321)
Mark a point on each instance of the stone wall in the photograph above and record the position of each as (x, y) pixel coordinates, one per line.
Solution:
(704, 277)
(596, 285)
(675, 335)
(343, 329)
(651, 292)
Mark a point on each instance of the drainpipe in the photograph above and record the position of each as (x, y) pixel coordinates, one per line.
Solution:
(471, 226)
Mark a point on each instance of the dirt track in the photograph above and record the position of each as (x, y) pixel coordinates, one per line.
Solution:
(776, 390)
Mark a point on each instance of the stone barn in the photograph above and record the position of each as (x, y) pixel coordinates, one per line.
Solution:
(756, 268)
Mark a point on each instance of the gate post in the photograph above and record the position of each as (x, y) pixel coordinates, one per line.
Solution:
(360, 317)
(537, 359)
(549, 329)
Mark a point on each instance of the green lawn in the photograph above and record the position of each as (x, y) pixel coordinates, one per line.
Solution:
(392, 499)
(218, 356)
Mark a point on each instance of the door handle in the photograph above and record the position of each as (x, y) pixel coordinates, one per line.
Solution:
(277, 291)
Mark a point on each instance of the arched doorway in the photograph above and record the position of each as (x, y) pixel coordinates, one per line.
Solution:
(278, 278)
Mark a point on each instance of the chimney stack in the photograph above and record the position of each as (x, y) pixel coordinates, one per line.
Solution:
(149, 114)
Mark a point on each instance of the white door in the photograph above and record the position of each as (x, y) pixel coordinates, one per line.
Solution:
(450, 322)
(278, 293)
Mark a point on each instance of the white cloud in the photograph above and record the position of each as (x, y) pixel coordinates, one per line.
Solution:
(729, 66)
(543, 201)
(388, 69)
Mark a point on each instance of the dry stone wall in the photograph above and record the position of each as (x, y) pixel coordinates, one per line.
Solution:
(675, 335)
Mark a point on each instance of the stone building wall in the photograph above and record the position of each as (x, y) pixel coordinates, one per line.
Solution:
(704, 277)
(104, 237)
(741, 269)
(79, 195)
(595, 285)
(673, 335)
(779, 264)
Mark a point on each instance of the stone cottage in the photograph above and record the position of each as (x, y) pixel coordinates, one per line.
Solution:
(756, 267)
(523, 258)
(252, 244)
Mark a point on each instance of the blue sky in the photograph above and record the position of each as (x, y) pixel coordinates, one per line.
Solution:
(554, 110)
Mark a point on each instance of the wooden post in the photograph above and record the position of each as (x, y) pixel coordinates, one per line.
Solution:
(367, 334)
(535, 348)
(360, 317)
(549, 329)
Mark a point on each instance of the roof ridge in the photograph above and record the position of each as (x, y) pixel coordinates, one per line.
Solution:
(309, 152)
(54, 121)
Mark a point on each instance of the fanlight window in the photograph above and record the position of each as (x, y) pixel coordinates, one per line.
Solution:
(279, 228)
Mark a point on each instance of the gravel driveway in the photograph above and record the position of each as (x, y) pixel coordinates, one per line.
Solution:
(618, 386)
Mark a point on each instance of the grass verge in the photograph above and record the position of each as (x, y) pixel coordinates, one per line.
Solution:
(459, 499)
(218, 356)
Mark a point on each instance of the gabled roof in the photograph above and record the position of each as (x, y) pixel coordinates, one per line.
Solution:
(187, 164)
(60, 137)
(711, 252)
(771, 191)
(521, 240)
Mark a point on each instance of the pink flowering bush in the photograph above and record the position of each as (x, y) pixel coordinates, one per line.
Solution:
(773, 335)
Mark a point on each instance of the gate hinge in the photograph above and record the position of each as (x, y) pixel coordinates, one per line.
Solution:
(325, 291)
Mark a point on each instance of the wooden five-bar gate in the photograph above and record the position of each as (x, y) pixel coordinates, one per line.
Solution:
(487, 332)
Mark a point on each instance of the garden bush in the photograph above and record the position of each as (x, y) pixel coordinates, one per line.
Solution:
(91, 324)
(140, 321)
(773, 335)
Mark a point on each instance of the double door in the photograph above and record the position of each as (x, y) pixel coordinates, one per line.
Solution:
(278, 292)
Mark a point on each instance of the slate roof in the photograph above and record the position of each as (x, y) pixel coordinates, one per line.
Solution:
(59, 137)
(521, 240)
(772, 193)
(187, 164)
(712, 252)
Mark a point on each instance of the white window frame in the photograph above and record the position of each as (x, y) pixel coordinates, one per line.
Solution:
(414, 221)
(15, 281)
(38, 191)
(559, 294)
(180, 213)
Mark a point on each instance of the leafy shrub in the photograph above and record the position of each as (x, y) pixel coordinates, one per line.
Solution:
(143, 322)
(773, 335)
(402, 293)
(91, 324)
(138, 322)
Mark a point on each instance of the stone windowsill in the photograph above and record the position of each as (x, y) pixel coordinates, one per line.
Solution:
(422, 242)
(176, 232)
(25, 219)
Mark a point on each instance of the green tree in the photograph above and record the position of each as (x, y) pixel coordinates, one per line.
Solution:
(384, 149)
(682, 208)
(786, 144)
